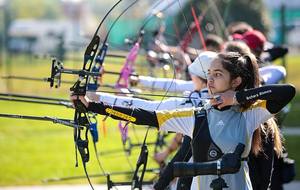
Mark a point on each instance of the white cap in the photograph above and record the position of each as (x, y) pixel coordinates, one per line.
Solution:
(202, 63)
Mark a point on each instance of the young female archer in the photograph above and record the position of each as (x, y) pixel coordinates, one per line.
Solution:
(229, 120)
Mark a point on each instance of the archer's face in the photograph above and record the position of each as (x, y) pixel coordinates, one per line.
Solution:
(218, 78)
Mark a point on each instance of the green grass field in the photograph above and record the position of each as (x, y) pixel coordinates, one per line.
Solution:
(35, 150)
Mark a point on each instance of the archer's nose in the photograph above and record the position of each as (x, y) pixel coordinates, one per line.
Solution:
(210, 79)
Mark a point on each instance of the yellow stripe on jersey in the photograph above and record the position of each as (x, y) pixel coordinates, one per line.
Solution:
(257, 104)
(163, 116)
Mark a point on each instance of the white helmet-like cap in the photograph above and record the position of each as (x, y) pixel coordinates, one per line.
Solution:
(202, 63)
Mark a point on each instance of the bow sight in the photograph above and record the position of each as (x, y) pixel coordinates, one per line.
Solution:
(57, 69)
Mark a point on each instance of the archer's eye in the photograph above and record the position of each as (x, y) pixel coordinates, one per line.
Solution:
(218, 74)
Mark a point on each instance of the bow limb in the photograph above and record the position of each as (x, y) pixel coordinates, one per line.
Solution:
(194, 27)
(137, 179)
(128, 68)
(97, 67)
(132, 57)
(123, 82)
(198, 28)
(124, 76)
(223, 32)
(79, 88)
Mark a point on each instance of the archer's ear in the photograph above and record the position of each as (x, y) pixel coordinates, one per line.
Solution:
(236, 82)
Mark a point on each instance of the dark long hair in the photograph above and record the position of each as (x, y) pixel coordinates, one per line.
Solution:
(244, 66)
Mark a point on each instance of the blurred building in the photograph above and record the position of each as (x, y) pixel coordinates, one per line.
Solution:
(39, 36)
(292, 20)
(50, 36)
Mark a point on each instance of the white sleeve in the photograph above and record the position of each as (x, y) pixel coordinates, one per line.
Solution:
(168, 104)
(256, 116)
(173, 103)
(272, 74)
(173, 85)
(127, 101)
(179, 121)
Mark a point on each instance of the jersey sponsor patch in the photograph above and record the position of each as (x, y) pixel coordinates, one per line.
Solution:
(120, 115)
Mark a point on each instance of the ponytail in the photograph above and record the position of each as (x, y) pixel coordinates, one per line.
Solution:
(248, 72)
(244, 66)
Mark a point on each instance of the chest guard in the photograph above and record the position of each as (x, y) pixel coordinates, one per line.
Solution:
(203, 147)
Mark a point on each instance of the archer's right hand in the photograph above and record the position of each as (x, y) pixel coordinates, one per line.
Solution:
(81, 98)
